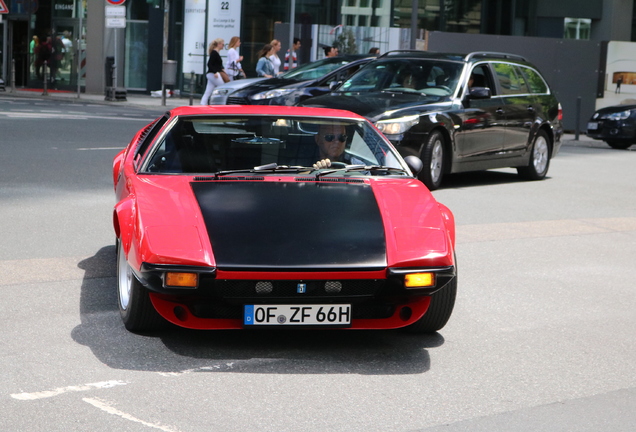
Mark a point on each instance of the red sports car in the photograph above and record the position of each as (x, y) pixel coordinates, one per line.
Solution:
(234, 217)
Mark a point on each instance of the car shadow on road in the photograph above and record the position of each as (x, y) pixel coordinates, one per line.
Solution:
(175, 350)
(480, 178)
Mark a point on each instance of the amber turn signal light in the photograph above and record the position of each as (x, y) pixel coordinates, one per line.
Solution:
(418, 280)
(188, 280)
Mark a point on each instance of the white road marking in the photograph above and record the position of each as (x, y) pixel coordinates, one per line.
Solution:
(106, 407)
(62, 390)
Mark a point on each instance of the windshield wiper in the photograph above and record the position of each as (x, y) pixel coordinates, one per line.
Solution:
(370, 168)
(373, 168)
(272, 167)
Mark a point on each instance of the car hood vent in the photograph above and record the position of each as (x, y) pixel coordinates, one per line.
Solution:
(236, 178)
(328, 180)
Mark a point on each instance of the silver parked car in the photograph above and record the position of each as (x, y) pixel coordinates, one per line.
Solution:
(220, 94)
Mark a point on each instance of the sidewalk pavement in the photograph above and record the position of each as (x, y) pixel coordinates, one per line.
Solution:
(138, 100)
(147, 101)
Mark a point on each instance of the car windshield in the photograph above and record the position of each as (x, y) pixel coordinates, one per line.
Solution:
(315, 69)
(263, 144)
(424, 76)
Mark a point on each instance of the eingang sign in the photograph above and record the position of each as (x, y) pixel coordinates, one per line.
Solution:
(224, 21)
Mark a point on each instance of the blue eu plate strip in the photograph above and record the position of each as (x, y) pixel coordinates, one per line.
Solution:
(248, 316)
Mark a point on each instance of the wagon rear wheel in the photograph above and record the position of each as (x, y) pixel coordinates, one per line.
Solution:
(539, 162)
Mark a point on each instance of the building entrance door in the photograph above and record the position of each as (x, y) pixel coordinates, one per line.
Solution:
(19, 51)
(66, 31)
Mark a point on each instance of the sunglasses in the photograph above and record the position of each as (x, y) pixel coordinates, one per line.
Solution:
(331, 137)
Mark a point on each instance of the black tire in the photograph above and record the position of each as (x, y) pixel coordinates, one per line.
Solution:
(539, 161)
(619, 145)
(135, 308)
(434, 160)
(439, 311)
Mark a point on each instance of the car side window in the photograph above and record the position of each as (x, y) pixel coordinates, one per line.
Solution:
(149, 135)
(479, 77)
(534, 80)
(510, 81)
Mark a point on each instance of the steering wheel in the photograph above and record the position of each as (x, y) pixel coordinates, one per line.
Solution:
(338, 165)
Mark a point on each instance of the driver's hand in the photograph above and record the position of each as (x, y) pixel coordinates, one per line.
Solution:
(325, 163)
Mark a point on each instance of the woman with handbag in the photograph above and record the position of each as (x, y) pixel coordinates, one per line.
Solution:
(216, 74)
(233, 62)
(264, 66)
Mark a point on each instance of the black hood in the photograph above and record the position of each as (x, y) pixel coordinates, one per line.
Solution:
(616, 108)
(292, 225)
(374, 105)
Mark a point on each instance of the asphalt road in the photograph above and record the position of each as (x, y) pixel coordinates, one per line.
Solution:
(542, 337)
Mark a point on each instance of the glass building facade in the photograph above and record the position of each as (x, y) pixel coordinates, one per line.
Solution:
(354, 25)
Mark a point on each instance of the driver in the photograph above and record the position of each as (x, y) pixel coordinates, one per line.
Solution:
(331, 140)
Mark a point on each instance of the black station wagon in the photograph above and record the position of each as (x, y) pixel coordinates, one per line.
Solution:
(457, 112)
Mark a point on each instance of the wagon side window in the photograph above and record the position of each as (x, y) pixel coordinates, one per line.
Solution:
(510, 81)
(534, 80)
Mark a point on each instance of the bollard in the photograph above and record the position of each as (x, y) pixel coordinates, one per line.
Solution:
(13, 76)
(192, 75)
(578, 118)
(45, 69)
(114, 87)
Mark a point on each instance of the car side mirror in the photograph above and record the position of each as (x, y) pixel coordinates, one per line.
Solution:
(479, 93)
(415, 164)
(334, 84)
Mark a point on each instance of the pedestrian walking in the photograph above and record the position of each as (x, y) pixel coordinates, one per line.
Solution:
(292, 55)
(264, 66)
(233, 62)
(215, 69)
(274, 57)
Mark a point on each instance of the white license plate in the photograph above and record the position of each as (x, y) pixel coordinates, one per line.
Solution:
(592, 126)
(320, 314)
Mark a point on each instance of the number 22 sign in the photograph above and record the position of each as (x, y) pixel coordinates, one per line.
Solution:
(225, 8)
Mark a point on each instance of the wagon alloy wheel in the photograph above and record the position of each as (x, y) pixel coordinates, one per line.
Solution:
(539, 162)
(433, 158)
(135, 307)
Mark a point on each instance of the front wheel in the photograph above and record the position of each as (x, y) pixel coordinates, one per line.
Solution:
(619, 145)
(135, 308)
(433, 160)
(439, 311)
(539, 163)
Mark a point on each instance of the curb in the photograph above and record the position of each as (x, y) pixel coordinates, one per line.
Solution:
(141, 101)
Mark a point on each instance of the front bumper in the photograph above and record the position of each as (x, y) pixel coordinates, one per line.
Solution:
(378, 298)
(612, 130)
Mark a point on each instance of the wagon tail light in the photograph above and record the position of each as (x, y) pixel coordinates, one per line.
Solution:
(560, 113)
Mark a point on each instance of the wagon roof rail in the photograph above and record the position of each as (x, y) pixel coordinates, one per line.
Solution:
(495, 54)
